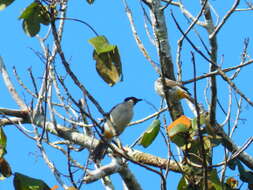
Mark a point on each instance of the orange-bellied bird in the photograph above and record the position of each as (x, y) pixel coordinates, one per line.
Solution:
(174, 89)
(118, 119)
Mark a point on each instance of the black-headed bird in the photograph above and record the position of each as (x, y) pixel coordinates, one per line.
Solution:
(118, 119)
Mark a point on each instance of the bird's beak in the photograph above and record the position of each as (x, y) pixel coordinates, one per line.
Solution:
(138, 100)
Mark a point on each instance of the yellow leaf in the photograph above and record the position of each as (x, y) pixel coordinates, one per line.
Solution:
(232, 182)
(5, 168)
(54, 187)
(178, 131)
(181, 120)
(72, 188)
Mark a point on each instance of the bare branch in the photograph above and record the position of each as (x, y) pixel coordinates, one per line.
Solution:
(227, 79)
(51, 165)
(129, 178)
(137, 38)
(237, 117)
(10, 86)
(148, 117)
(102, 171)
(217, 72)
(186, 12)
(12, 112)
(69, 71)
(225, 18)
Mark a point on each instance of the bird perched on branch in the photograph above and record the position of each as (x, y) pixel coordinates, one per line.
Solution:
(118, 119)
(174, 89)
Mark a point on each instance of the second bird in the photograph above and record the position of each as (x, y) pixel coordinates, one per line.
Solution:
(174, 89)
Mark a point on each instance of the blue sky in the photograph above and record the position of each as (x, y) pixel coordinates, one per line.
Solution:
(108, 18)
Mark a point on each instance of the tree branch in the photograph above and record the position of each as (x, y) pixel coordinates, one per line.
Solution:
(10, 86)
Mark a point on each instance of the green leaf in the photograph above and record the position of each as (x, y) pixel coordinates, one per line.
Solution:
(31, 11)
(44, 17)
(178, 132)
(180, 128)
(101, 45)
(107, 58)
(3, 143)
(207, 143)
(213, 181)
(23, 182)
(5, 3)
(108, 66)
(31, 27)
(34, 15)
(181, 139)
(180, 125)
(150, 134)
(184, 185)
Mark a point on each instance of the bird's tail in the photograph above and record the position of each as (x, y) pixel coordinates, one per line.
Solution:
(99, 151)
(191, 104)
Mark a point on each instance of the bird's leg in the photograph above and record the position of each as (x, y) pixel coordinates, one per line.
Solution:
(119, 144)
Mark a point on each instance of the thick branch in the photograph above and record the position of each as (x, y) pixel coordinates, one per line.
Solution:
(232, 147)
(213, 55)
(164, 52)
(138, 156)
(129, 178)
(102, 171)
(155, 161)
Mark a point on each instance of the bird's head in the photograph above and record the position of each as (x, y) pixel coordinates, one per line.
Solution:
(132, 99)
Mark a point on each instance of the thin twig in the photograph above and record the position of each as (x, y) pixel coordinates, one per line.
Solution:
(71, 74)
(237, 117)
(225, 18)
(217, 72)
(180, 41)
(148, 117)
(202, 149)
(81, 21)
(137, 38)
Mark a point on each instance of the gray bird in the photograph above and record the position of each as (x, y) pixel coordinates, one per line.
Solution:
(118, 119)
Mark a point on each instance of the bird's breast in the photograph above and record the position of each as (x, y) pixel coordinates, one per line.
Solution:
(121, 117)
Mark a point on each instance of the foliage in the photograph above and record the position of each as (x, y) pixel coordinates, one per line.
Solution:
(5, 3)
(34, 15)
(150, 134)
(107, 58)
(23, 182)
(54, 110)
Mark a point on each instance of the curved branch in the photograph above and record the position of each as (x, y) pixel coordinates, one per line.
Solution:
(14, 94)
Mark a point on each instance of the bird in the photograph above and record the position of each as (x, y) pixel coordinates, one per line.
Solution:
(175, 89)
(118, 119)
